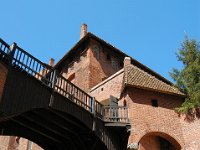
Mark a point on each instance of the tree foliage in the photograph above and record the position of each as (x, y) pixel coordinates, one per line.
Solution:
(188, 78)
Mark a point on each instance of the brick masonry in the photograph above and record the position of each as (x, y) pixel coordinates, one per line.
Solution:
(91, 67)
(146, 119)
(4, 140)
(111, 86)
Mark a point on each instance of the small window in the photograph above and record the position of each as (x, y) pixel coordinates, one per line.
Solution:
(154, 103)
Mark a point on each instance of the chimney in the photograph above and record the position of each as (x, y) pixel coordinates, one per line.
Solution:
(127, 61)
(51, 62)
(83, 30)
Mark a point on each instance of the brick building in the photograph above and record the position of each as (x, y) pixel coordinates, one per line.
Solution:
(113, 78)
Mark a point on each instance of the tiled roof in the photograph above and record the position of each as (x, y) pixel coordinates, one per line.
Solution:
(136, 77)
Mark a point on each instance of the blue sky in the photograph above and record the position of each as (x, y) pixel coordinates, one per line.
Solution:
(150, 31)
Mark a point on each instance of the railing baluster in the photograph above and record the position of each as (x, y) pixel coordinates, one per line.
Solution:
(116, 113)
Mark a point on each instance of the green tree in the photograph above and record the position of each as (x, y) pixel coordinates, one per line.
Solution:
(188, 78)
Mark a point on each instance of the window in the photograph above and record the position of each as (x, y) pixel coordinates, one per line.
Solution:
(154, 103)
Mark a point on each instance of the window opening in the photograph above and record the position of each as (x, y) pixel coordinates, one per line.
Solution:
(154, 103)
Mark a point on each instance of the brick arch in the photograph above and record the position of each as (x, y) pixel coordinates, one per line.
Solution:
(167, 137)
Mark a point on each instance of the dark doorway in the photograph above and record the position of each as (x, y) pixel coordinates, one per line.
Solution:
(165, 145)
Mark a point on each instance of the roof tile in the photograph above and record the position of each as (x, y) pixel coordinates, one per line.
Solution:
(137, 77)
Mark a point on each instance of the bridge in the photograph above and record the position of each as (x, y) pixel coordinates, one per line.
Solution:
(39, 104)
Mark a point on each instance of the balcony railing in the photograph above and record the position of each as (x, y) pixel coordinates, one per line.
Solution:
(25, 62)
(116, 114)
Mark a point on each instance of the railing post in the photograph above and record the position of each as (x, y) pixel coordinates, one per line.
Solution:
(93, 110)
(103, 111)
(12, 52)
(53, 83)
(53, 80)
(127, 114)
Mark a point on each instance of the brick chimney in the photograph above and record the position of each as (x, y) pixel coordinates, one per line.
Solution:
(51, 62)
(83, 30)
(127, 61)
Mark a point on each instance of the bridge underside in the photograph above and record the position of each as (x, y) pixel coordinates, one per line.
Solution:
(51, 129)
(52, 121)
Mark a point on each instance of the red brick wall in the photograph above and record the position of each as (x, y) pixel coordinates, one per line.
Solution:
(81, 69)
(145, 118)
(4, 140)
(92, 66)
(191, 133)
(3, 73)
(23, 145)
(111, 86)
(102, 63)
(11, 144)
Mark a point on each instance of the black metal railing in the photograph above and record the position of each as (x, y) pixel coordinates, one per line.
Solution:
(4, 50)
(116, 114)
(25, 62)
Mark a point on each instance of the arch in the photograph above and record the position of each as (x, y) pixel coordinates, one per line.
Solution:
(159, 139)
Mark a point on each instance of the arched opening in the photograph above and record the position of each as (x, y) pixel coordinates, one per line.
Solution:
(158, 141)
